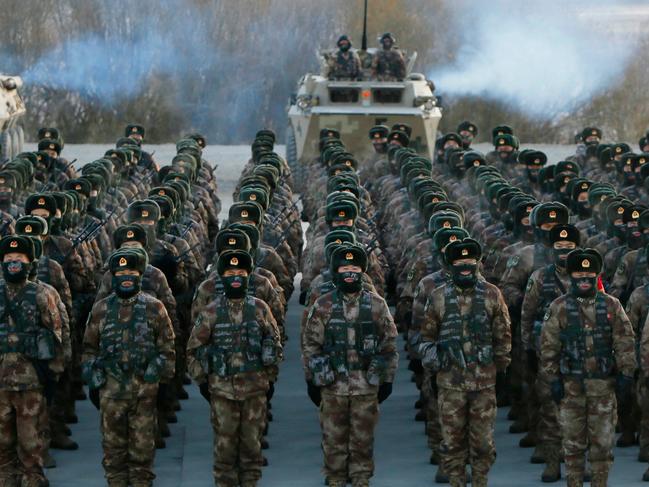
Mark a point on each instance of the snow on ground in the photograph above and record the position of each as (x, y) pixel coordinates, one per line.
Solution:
(295, 457)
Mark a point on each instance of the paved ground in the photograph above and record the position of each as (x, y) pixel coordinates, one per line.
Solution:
(295, 457)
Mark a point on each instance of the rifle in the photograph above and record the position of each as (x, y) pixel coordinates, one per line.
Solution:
(65, 168)
(286, 210)
(182, 256)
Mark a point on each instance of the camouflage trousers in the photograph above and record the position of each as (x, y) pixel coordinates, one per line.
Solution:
(128, 438)
(23, 423)
(588, 423)
(238, 429)
(433, 428)
(347, 424)
(467, 422)
(642, 396)
(543, 413)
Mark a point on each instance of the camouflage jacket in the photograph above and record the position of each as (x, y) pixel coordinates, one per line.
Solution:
(389, 65)
(344, 65)
(263, 289)
(240, 385)
(17, 372)
(552, 348)
(474, 377)
(355, 381)
(154, 283)
(535, 304)
(161, 339)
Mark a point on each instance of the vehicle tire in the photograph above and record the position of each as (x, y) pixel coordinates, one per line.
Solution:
(291, 157)
(6, 146)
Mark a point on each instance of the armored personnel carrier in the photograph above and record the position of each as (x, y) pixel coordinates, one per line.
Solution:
(12, 108)
(353, 107)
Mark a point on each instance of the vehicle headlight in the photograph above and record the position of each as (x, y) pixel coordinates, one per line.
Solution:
(304, 102)
(9, 84)
(429, 105)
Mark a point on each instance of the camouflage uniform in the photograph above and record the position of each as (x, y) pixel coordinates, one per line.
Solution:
(581, 340)
(389, 65)
(238, 367)
(477, 320)
(129, 343)
(31, 336)
(344, 65)
(349, 348)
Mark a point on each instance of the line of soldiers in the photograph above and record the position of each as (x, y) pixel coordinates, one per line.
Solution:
(566, 244)
(104, 283)
(386, 64)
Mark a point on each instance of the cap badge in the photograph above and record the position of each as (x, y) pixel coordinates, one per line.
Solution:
(553, 214)
(130, 234)
(29, 229)
(563, 233)
(13, 244)
(253, 197)
(234, 261)
(465, 252)
(41, 201)
(585, 263)
(244, 214)
(349, 256)
(232, 241)
(145, 213)
(635, 214)
(122, 262)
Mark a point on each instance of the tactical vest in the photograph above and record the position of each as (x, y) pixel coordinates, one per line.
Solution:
(336, 337)
(574, 337)
(460, 349)
(550, 291)
(23, 333)
(43, 270)
(235, 349)
(126, 348)
(641, 269)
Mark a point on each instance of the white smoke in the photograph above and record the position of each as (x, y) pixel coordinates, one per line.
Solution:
(543, 57)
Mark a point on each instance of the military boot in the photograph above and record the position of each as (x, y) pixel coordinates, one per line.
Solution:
(538, 455)
(626, 439)
(645, 475)
(519, 426)
(361, 483)
(336, 483)
(434, 457)
(421, 415)
(182, 393)
(61, 441)
(552, 471)
(441, 477)
(643, 455)
(528, 441)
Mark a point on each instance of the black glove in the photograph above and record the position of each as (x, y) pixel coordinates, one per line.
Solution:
(556, 390)
(303, 298)
(623, 386)
(94, 397)
(47, 379)
(385, 390)
(532, 362)
(314, 393)
(205, 391)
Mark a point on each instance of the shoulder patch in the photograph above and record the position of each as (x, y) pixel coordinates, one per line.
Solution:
(513, 261)
(529, 285)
